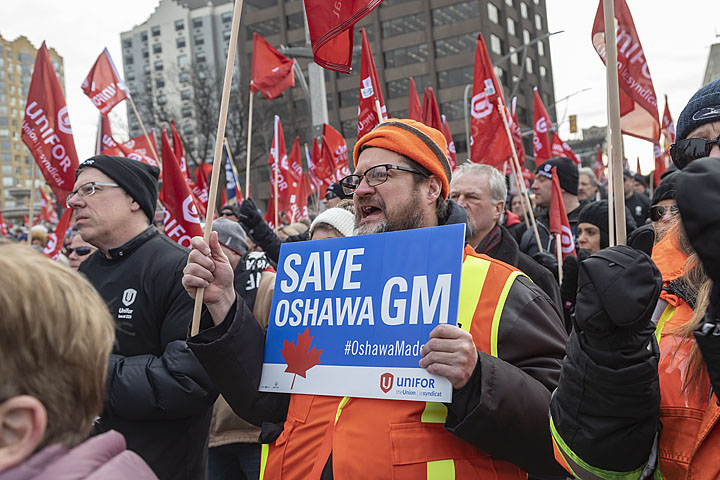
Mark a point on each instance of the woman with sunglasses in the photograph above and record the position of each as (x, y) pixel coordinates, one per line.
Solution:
(78, 251)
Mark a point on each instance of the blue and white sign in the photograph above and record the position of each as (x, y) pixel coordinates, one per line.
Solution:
(350, 315)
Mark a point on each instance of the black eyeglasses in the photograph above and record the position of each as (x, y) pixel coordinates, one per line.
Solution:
(227, 213)
(659, 211)
(689, 149)
(80, 251)
(330, 195)
(87, 189)
(374, 176)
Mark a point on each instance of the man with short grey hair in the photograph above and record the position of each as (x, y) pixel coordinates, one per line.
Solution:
(481, 190)
(587, 185)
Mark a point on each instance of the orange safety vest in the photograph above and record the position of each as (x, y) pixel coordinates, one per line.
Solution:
(374, 438)
(689, 440)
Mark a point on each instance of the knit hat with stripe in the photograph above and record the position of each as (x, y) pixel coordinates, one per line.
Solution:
(414, 140)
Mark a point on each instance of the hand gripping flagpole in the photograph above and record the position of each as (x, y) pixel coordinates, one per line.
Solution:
(516, 163)
(217, 158)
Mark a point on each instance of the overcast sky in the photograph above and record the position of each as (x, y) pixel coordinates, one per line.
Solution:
(676, 37)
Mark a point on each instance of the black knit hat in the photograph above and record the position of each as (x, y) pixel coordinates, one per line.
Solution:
(567, 173)
(703, 107)
(640, 179)
(337, 189)
(666, 189)
(596, 213)
(138, 179)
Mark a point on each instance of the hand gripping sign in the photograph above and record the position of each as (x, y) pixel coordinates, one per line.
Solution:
(350, 315)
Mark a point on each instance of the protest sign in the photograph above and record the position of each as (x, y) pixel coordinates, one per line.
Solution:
(350, 315)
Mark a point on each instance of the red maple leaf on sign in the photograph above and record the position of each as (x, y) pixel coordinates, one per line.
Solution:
(300, 359)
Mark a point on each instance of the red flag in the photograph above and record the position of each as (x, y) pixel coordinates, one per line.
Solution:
(47, 211)
(331, 26)
(660, 165)
(180, 212)
(668, 130)
(516, 133)
(450, 143)
(139, 149)
(562, 149)
(297, 204)
(638, 103)
(319, 168)
(542, 125)
(488, 140)
(200, 187)
(278, 162)
(4, 226)
(558, 218)
(430, 111)
(369, 91)
(103, 84)
(46, 127)
(638, 170)
(57, 238)
(599, 166)
(334, 149)
(27, 221)
(414, 108)
(272, 72)
(177, 146)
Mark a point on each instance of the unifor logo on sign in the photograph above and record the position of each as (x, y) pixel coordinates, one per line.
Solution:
(386, 382)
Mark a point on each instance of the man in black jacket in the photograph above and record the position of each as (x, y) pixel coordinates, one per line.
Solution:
(158, 395)
(481, 191)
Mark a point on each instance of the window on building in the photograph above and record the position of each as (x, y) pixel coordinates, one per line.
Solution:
(160, 82)
(157, 48)
(457, 12)
(202, 74)
(500, 75)
(541, 48)
(528, 65)
(349, 98)
(509, 3)
(130, 76)
(186, 112)
(128, 59)
(199, 40)
(200, 57)
(455, 76)
(143, 36)
(390, 3)
(526, 36)
(146, 68)
(182, 61)
(179, 25)
(523, 10)
(188, 129)
(180, 42)
(158, 65)
(453, 110)
(493, 15)
(537, 2)
(406, 55)
(267, 28)
(155, 31)
(514, 58)
(496, 44)
(538, 22)
(454, 45)
(4, 132)
(295, 21)
(185, 95)
(511, 26)
(349, 128)
(402, 25)
(543, 71)
(197, 22)
(161, 100)
(184, 77)
(145, 53)
(226, 17)
(401, 87)
(369, 32)
(226, 37)
(127, 43)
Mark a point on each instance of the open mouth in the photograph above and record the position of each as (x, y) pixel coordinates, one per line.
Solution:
(370, 213)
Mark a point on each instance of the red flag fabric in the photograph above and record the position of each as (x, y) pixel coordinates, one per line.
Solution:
(103, 84)
(542, 125)
(560, 148)
(638, 170)
(46, 128)
(4, 226)
(331, 26)
(638, 103)
(179, 152)
(660, 165)
(430, 110)
(668, 130)
(47, 212)
(558, 218)
(599, 166)
(57, 238)
(27, 221)
(335, 151)
(414, 108)
(369, 91)
(452, 158)
(272, 72)
(321, 169)
(277, 159)
(139, 149)
(180, 214)
(488, 140)
(294, 172)
(516, 133)
(200, 187)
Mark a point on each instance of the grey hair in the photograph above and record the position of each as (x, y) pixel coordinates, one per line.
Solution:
(498, 189)
(590, 173)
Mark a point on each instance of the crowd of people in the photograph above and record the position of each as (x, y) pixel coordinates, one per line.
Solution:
(605, 369)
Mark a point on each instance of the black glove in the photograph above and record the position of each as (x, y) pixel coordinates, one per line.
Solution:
(548, 261)
(249, 215)
(618, 289)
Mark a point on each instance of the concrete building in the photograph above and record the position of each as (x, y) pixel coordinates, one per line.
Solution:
(712, 71)
(17, 59)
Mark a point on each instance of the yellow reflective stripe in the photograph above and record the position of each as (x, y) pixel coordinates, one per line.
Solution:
(441, 470)
(472, 279)
(343, 402)
(264, 448)
(667, 315)
(498, 312)
(435, 412)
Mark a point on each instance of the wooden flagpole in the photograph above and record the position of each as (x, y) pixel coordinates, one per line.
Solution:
(249, 145)
(147, 137)
(558, 254)
(516, 163)
(378, 110)
(614, 120)
(32, 202)
(237, 11)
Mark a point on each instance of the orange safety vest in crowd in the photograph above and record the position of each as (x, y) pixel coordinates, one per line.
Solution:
(689, 440)
(374, 438)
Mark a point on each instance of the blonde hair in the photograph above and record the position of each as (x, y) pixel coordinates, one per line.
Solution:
(55, 339)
